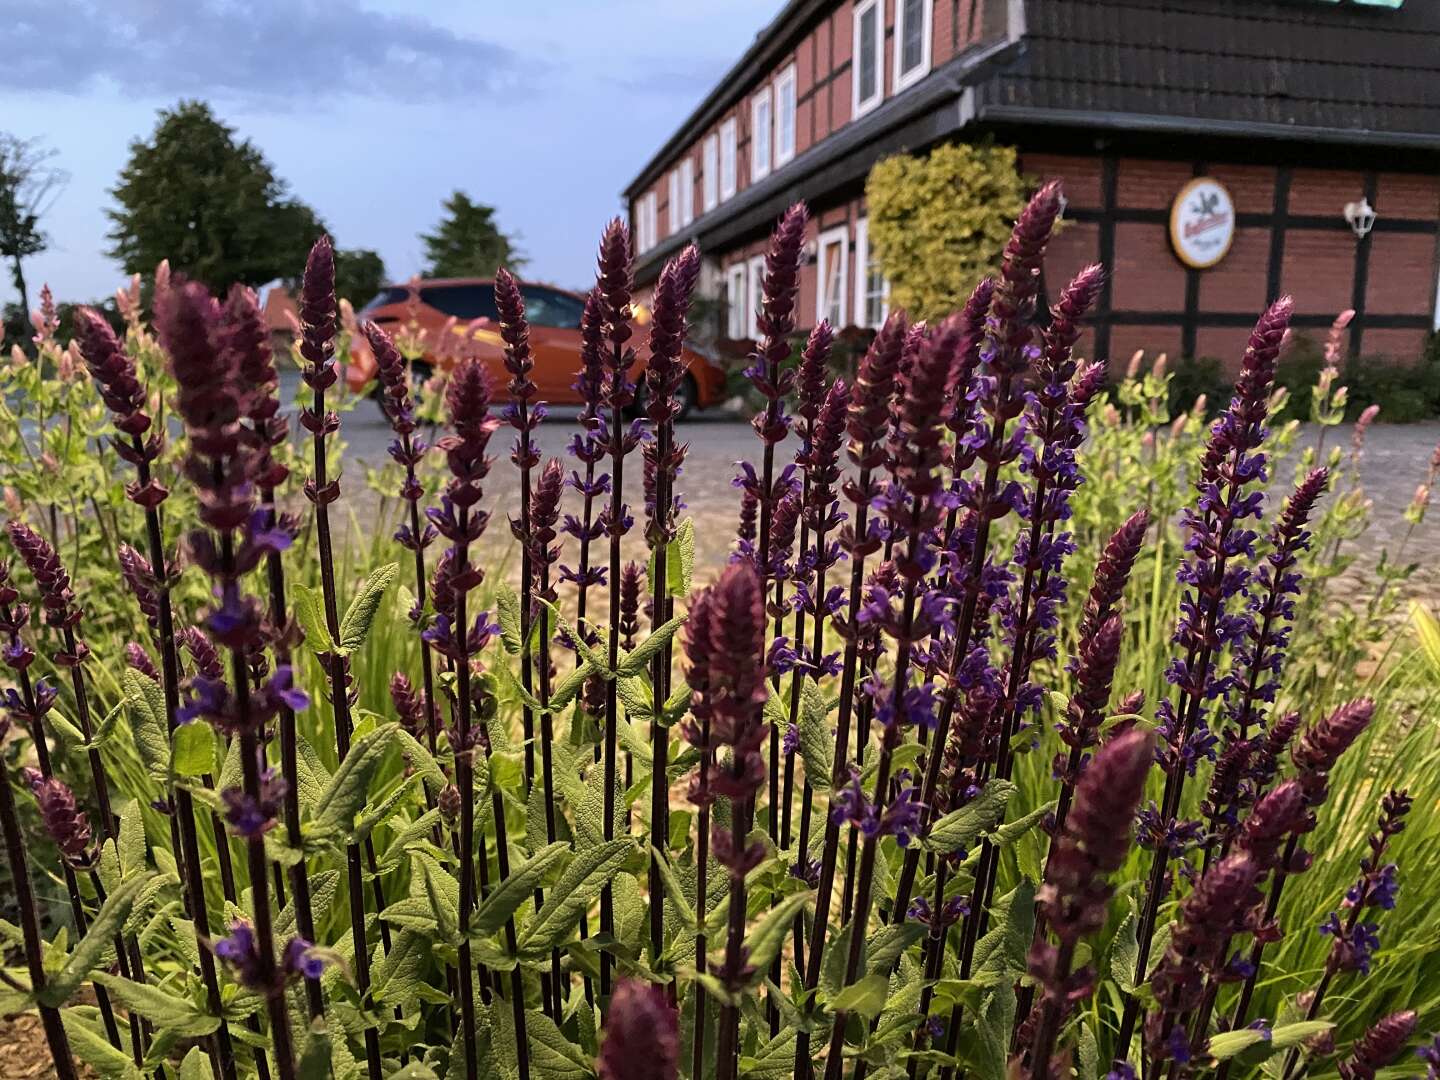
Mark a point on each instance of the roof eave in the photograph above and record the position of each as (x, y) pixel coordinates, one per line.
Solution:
(1245, 129)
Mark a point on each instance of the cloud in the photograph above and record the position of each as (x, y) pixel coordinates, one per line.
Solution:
(265, 50)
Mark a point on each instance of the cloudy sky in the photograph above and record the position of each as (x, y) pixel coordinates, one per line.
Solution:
(372, 110)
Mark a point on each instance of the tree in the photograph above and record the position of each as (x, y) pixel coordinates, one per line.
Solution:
(209, 203)
(29, 186)
(468, 242)
(939, 223)
(359, 274)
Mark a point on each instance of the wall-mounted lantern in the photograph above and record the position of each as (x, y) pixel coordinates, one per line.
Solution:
(1360, 216)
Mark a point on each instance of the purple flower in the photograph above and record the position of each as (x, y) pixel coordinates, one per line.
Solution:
(249, 817)
(1430, 1054)
(301, 958)
(241, 953)
(64, 822)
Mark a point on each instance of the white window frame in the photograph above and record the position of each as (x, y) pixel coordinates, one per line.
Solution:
(862, 277)
(729, 169)
(687, 190)
(754, 291)
(672, 215)
(710, 171)
(840, 233)
(735, 298)
(784, 83)
(761, 136)
(862, 8)
(905, 79)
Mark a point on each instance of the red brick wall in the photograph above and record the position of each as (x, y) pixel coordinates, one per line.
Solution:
(1318, 265)
(823, 89)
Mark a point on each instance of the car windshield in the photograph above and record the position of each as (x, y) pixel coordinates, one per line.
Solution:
(550, 307)
(393, 294)
(462, 301)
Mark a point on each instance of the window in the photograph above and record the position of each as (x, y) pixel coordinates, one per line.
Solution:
(646, 222)
(830, 280)
(785, 116)
(869, 65)
(727, 158)
(462, 301)
(735, 297)
(872, 291)
(687, 191)
(673, 201)
(912, 42)
(756, 282)
(551, 307)
(760, 134)
(710, 172)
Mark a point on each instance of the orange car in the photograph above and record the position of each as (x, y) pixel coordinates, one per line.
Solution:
(466, 307)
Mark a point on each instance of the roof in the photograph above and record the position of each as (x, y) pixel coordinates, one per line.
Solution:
(279, 310)
(1342, 72)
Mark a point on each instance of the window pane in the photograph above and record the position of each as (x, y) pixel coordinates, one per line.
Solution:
(912, 47)
(785, 130)
(833, 259)
(869, 77)
(712, 172)
(462, 301)
(547, 307)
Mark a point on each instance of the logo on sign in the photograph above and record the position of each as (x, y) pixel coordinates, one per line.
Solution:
(1202, 223)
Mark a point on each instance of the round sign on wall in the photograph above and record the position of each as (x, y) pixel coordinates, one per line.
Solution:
(1202, 223)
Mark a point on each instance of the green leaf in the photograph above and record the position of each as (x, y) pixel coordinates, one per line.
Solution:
(569, 687)
(310, 613)
(106, 729)
(107, 923)
(195, 1066)
(865, 998)
(552, 1055)
(1124, 955)
(148, 725)
(766, 937)
(675, 890)
(577, 888)
(888, 943)
(680, 559)
(1003, 948)
(422, 761)
(637, 697)
(1011, 831)
(95, 1051)
(959, 829)
(815, 738)
(360, 615)
(495, 912)
(527, 699)
(174, 1014)
(132, 841)
(638, 659)
(349, 788)
(1227, 1044)
(1087, 1050)
(193, 750)
(314, 1063)
(507, 614)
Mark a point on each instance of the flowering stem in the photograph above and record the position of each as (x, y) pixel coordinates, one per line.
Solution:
(30, 926)
(289, 764)
(702, 867)
(865, 876)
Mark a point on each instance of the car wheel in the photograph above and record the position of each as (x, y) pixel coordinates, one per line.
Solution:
(688, 395)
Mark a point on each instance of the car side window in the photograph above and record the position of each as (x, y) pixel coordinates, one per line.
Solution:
(549, 307)
(462, 301)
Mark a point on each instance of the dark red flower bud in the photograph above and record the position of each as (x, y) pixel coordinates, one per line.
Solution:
(137, 658)
(632, 578)
(811, 376)
(1320, 748)
(641, 1038)
(615, 283)
(872, 392)
(114, 370)
(1379, 1046)
(65, 823)
(317, 307)
(394, 375)
(56, 595)
(409, 703)
(1113, 572)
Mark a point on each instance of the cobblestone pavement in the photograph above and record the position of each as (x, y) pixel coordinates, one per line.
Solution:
(1395, 461)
